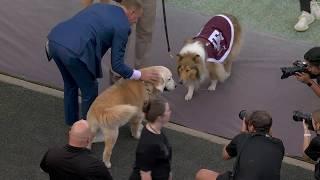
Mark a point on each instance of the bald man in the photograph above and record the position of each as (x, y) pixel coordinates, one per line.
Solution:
(74, 161)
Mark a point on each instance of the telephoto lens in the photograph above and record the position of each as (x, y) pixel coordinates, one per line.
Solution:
(242, 114)
(299, 116)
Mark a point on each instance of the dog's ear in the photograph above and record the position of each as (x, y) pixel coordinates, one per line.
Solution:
(196, 58)
(179, 57)
(159, 84)
(188, 41)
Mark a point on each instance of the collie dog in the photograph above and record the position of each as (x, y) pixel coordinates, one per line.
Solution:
(123, 102)
(210, 53)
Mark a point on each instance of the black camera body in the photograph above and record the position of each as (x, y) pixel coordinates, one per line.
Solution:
(299, 116)
(298, 66)
(242, 114)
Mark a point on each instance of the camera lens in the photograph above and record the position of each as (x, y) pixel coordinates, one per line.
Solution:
(242, 114)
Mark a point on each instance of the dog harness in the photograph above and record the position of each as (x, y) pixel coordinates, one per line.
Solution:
(218, 33)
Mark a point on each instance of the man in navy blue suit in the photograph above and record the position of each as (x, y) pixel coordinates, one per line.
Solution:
(78, 44)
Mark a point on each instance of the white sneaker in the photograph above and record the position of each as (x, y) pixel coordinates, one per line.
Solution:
(305, 19)
(99, 137)
(315, 9)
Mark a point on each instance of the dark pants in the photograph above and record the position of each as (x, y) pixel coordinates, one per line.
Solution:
(305, 5)
(75, 75)
(135, 175)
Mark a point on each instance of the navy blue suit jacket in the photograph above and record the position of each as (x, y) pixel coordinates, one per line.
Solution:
(91, 32)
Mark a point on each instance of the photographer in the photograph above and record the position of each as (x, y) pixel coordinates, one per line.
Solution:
(258, 154)
(312, 57)
(312, 149)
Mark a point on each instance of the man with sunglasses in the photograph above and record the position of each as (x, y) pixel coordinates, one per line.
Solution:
(312, 57)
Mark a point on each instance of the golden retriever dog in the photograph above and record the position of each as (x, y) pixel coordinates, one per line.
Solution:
(122, 103)
(210, 53)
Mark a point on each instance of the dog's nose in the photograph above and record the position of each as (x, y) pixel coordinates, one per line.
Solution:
(180, 82)
(175, 86)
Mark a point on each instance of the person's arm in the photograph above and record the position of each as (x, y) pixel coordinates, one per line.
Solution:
(305, 78)
(147, 161)
(244, 128)
(306, 136)
(43, 164)
(231, 150)
(119, 43)
(145, 175)
(118, 48)
(225, 155)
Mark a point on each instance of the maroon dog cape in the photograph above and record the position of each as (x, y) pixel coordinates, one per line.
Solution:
(218, 33)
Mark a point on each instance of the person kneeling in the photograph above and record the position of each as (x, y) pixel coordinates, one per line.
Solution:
(311, 148)
(258, 154)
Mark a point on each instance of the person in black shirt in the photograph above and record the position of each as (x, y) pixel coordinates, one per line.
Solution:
(312, 149)
(153, 153)
(258, 155)
(74, 161)
(312, 57)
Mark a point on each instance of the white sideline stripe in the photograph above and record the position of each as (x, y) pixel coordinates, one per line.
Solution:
(178, 128)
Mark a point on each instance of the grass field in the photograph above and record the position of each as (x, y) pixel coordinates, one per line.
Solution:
(276, 17)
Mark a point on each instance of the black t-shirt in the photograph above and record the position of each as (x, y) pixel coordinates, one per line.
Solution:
(153, 154)
(313, 150)
(260, 158)
(73, 163)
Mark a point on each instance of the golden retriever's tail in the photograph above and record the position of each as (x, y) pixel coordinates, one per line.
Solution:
(116, 116)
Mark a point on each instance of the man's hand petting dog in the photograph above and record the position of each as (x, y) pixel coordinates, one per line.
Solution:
(150, 76)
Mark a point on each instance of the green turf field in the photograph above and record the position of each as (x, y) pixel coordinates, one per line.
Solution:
(276, 17)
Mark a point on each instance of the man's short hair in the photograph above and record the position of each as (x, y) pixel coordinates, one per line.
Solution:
(313, 56)
(260, 120)
(129, 4)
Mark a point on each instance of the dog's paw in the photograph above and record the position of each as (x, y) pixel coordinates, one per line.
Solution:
(136, 135)
(108, 164)
(212, 87)
(188, 97)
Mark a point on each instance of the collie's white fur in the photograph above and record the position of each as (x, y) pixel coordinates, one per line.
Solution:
(196, 48)
(194, 67)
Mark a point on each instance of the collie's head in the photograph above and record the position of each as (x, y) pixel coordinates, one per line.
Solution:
(188, 67)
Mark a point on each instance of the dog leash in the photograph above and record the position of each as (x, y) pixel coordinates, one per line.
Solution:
(166, 28)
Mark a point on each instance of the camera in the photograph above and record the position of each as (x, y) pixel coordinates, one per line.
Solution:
(298, 66)
(242, 114)
(307, 117)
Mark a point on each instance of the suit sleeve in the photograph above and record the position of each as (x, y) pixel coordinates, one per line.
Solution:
(118, 49)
